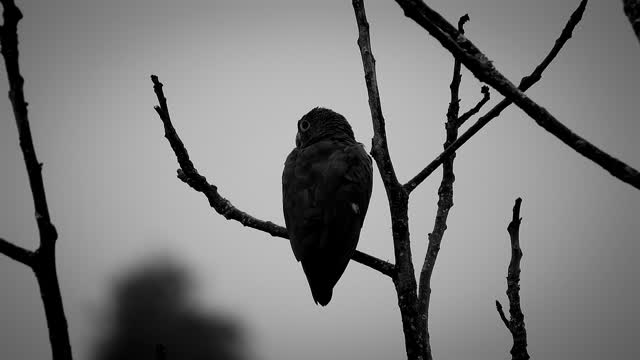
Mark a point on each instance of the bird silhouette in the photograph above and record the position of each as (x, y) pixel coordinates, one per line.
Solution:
(326, 187)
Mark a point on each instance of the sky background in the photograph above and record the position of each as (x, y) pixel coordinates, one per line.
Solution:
(238, 75)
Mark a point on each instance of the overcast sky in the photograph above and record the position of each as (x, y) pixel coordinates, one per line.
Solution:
(238, 75)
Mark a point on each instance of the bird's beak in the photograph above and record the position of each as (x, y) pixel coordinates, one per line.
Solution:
(297, 140)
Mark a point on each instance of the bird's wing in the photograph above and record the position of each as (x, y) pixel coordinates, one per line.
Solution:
(326, 192)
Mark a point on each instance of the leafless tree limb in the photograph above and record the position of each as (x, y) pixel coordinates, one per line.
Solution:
(478, 63)
(476, 109)
(15, 252)
(525, 83)
(42, 261)
(9, 40)
(632, 10)
(379, 148)
(189, 175)
(501, 313)
(516, 323)
(398, 198)
(445, 194)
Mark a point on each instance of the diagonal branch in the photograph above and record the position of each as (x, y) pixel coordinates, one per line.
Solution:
(525, 83)
(476, 109)
(501, 314)
(379, 148)
(189, 175)
(16, 253)
(397, 197)
(9, 41)
(478, 63)
(445, 195)
(516, 323)
(632, 10)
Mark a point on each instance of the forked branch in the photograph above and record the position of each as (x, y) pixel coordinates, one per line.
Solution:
(189, 175)
(445, 192)
(525, 83)
(478, 63)
(16, 253)
(515, 324)
(476, 109)
(43, 260)
(398, 198)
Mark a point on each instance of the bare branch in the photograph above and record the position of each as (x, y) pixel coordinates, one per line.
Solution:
(525, 84)
(9, 43)
(405, 280)
(16, 253)
(483, 69)
(43, 261)
(516, 323)
(379, 148)
(501, 313)
(189, 175)
(632, 10)
(474, 110)
(445, 192)
(373, 262)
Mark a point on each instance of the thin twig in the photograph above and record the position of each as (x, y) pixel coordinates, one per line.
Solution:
(189, 175)
(632, 10)
(525, 83)
(501, 313)
(476, 109)
(445, 194)
(16, 253)
(516, 322)
(478, 63)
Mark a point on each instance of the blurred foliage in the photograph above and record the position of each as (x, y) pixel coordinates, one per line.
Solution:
(153, 316)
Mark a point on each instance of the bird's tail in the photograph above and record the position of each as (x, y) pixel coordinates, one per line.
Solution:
(321, 285)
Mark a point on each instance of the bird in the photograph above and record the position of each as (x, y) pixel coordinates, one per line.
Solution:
(326, 187)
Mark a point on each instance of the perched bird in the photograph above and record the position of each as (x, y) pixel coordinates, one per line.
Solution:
(326, 187)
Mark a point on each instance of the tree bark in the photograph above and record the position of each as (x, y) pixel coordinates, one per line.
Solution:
(516, 322)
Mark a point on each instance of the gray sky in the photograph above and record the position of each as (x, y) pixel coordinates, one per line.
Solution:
(238, 75)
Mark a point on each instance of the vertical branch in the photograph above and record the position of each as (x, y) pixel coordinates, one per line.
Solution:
(42, 261)
(9, 42)
(445, 200)
(516, 322)
(405, 280)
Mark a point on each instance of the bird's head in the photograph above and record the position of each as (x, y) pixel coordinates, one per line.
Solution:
(319, 124)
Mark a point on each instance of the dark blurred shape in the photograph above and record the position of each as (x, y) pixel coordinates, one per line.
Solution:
(153, 317)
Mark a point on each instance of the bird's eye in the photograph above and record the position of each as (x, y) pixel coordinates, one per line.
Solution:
(304, 125)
